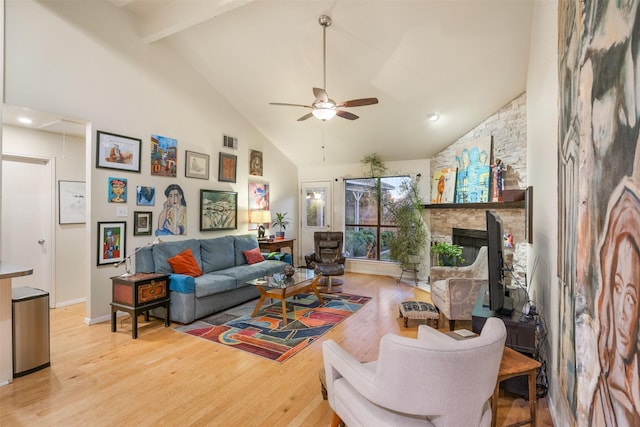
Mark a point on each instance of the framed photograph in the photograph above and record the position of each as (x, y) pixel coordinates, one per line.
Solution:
(118, 152)
(142, 223)
(218, 210)
(71, 202)
(111, 242)
(255, 163)
(227, 167)
(145, 196)
(196, 165)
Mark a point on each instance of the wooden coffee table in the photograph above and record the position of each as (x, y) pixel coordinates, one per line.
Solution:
(281, 288)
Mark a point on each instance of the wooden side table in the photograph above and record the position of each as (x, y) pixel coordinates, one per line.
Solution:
(277, 245)
(137, 294)
(515, 364)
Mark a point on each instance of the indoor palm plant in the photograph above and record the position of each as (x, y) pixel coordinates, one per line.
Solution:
(281, 221)
(408, 245)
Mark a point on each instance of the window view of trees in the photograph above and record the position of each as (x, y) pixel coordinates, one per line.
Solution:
(368, 223)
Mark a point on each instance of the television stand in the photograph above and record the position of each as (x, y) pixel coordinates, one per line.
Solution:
(521, 336)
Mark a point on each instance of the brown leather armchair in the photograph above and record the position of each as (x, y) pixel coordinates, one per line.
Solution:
(327, 258)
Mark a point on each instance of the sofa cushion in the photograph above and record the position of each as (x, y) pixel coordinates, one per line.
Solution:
(244, 273)
(209, 284)
(244, 243)
(185, 263)
(217, 253)
(253, 255)
(163, 251)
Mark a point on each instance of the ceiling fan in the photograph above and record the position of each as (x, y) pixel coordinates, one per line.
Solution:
(325, 108)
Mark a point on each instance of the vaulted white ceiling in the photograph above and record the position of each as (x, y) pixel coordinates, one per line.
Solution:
(461, 59)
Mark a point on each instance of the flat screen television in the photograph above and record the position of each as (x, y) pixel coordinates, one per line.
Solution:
(495, 249)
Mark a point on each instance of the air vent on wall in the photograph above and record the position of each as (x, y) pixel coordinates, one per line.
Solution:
(230, 142)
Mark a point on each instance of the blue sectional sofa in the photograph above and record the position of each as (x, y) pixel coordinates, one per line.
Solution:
(223, 283)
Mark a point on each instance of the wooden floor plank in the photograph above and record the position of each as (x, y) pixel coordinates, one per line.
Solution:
(100, 378)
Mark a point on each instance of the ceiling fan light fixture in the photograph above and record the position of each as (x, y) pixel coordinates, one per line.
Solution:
(324, 113)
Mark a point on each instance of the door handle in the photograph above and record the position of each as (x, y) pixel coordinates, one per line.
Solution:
(41, 241)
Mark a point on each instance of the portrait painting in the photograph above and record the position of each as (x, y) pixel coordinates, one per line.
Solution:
(173, 217)
(117, 190)
(255, 163)
(599, 213)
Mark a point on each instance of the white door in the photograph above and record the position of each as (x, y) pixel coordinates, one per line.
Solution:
(27, 218)
(315, 213)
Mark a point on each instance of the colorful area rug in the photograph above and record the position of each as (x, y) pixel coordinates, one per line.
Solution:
(265, 336)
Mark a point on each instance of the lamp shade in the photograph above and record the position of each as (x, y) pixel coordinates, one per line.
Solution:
(324, 113)
(259, 217)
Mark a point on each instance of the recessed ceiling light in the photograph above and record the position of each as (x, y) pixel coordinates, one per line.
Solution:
(25, 120)
(432, 117)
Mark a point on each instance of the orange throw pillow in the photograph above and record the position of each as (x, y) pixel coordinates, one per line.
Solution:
(185, 263)
(253, 255)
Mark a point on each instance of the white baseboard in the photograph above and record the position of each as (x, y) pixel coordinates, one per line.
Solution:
(70, 302)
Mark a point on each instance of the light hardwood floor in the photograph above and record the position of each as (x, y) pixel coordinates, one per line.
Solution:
(100, 378)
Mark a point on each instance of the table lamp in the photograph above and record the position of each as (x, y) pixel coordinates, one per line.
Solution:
(127, 259)
(260, 217)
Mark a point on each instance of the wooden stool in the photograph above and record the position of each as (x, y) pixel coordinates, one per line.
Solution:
(515, 364)
(419, 310)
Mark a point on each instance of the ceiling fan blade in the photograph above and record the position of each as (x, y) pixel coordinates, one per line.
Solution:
(358, 102)
(290, 105)
(305, 117)
(320, 94)
(346, 115)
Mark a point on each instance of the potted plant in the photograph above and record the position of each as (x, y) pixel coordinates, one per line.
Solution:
(408, 245)
(281, 221)
(447, 254)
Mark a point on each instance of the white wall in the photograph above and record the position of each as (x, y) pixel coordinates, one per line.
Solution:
(542, 152)
(71, 257)
(337, 174)
(85, 60)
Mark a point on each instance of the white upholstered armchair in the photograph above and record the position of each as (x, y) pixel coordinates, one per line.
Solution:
(454, 290)
(434, 380)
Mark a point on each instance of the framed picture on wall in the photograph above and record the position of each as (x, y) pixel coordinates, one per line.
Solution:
(218, 210)
(111, 242)
(118, 152)
(71, 202)
(227, 167)
(255, 163)
(142, 223)
(196, 165)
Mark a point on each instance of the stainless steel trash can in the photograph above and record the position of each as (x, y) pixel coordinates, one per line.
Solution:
(30, 330)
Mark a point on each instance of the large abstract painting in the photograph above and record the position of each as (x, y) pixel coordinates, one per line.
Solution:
(472, 180)
(599, 212)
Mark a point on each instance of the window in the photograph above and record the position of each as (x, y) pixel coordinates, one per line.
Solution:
(368, 225)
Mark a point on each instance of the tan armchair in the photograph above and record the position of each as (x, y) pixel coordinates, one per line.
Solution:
(454, 290)
(434, 380)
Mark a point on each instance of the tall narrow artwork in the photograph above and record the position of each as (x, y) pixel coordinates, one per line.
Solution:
(474, 171)
(598, 292)
(443, 186)
(173, 217)
(164, 156)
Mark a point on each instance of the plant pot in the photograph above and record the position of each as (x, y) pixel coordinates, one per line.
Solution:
(279, 235)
